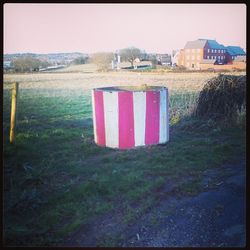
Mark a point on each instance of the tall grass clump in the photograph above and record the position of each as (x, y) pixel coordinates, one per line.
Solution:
(223, 98)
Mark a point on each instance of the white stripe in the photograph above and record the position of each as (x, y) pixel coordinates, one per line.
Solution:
(163, 116)
(139, 103)
(167, 103)
(110, 100)
(94, 118)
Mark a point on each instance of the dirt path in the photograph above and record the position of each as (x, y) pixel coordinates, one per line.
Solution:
(213, 217)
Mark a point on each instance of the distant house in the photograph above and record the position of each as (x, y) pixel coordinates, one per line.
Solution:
(196, 51)
(202, 51)
(240, 58)
(164, 59)
(193, 53)
(175, 57)
(233, 52)
(137, 60)
(7, 64)
(215, 51)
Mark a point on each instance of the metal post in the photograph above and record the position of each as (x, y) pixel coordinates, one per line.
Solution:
(13, 112)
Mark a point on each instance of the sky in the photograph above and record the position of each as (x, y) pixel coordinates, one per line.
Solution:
(90, 28)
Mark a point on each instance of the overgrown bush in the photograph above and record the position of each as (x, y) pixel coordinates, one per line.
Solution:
(222, 98)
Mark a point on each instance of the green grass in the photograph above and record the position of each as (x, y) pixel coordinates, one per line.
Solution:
(56, 179)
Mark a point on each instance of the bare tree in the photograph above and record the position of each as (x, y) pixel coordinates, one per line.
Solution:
(102, 60)
(130, 54)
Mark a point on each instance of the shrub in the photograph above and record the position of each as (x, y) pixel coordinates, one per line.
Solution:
(222, 97)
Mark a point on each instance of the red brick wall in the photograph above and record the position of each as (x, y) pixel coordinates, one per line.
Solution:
(234, 65)
(213, 54)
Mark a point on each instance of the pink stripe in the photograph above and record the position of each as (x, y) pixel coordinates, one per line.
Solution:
(126, 120)
(99, 115)
(152, 117)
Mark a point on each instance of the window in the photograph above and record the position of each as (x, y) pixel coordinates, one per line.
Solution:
(219, 50)
(215, 51)
(198, 57)
(192, 57)
(208, 50)
(212, 51)
(207, 57)
(198, 50)
(214, 57)
(219, 57)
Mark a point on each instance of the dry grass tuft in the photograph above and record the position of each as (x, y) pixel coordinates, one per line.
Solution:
(222, 97)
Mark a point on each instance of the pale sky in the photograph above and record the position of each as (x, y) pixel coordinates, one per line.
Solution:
(88, 28)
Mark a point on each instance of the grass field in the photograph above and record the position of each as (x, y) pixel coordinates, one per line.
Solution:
(56, 180)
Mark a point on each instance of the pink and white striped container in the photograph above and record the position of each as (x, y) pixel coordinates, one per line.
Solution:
(127, 117)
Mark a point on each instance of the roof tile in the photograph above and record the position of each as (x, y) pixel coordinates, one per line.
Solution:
(235, 50)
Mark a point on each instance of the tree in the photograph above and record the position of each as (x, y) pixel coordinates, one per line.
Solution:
(130, 54)
(28, 64)
(102, 60)
(153, 59)
(80, 60)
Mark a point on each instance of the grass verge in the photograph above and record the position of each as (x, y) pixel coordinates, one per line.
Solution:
(56, 179)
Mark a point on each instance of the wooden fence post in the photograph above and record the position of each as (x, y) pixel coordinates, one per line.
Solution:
(14, 96)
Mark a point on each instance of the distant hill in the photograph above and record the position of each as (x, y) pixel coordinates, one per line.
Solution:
(53, 58)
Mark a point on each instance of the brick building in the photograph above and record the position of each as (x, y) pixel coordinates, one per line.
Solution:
(204, 51)
(233, 52)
